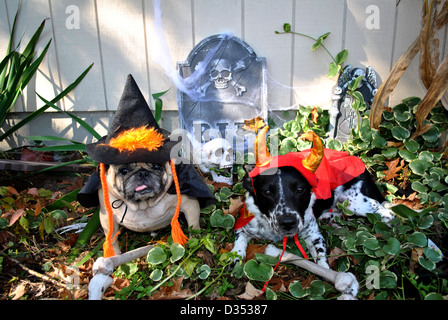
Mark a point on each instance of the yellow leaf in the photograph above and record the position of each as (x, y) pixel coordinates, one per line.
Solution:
(254, 124)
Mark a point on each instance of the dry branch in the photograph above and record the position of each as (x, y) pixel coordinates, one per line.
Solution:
(435, 92)
(391, 82)
(426, 41)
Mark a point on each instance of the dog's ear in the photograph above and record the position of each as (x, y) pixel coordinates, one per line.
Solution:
(248, 168)
(247, 181)
(106, 167)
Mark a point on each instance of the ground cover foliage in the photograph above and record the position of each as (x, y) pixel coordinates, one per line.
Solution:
(395, 261)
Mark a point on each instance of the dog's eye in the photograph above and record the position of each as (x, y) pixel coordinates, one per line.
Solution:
(300, 189)
(267, 193)
(157, 166)
(123, 171)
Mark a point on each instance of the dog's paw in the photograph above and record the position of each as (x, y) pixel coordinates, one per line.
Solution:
(322, 261)
(104, 266)
(346, 283)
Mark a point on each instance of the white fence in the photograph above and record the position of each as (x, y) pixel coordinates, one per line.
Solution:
(118, 37)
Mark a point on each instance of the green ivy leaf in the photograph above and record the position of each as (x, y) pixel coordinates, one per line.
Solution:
(432, 254)
(270, 294)
(316, 45)
(388, 280)
(434, 296)
(296, 289)
(204, 271)
(432, 134)
(426, 156)
(334, 144)
(392, 247)
(419, 187)
(407, 155)
(400, 133)
(156, 275)
(287, 27)
(371, 244)
(404, 211)
(333, 70)
(258, 271)
(220, 220)
(317, 288)
(354, 84)
(426, 263)
(177, 252)
(48, 224)
(418, 239)
(419, 166)
(341, 56)
(156, 256)
(412, 145)
(365, 133)
(389, 152)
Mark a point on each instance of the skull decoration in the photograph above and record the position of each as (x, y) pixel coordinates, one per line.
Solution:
(216, 156)
(221, 74)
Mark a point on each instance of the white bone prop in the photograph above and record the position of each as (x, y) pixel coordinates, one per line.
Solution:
(104, 267)
(344, 282)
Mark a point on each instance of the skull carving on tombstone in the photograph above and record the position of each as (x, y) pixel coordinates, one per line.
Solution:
(216, 158)
(221, 73)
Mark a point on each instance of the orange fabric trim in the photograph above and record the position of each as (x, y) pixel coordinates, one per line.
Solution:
(108, 250)
(176, 231)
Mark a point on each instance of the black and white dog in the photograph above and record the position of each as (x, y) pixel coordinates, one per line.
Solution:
(283, 204)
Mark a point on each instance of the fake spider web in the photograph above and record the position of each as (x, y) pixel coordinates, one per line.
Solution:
(220, 86)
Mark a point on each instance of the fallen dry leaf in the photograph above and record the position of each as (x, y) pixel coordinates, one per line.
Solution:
(13, 191)
(391, 173)
(33, 191)
(252, 249)
(254, 124)
(19, 291)
(173, 292)
(235, 206)
(250, 292)
(334, 255)
(15, 216)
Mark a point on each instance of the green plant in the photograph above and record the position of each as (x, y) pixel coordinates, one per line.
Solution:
(307, 118)
(33, 209)
(16, 71)
(336, 65)
(401, 164)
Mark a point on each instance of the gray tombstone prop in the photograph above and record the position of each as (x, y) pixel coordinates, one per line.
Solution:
(231, 88)
(343, 117)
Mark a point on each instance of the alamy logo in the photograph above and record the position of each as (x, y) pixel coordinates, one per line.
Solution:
(73, 20)
(373, 20)
(373, 278)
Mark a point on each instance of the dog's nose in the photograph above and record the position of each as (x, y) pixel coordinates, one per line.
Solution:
(143, 174)
(287, 223)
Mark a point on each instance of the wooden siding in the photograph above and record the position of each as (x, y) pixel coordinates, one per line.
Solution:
(117, 36)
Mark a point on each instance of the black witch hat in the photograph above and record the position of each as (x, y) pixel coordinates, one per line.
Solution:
(134, 135)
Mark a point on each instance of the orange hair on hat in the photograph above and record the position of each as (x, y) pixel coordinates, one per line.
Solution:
(138, 138)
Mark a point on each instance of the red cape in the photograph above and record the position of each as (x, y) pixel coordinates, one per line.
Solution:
(335, 169)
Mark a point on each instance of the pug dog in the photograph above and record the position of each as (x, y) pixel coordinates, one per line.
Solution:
(138, 194)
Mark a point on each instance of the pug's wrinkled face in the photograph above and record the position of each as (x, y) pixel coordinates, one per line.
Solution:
(139, 182)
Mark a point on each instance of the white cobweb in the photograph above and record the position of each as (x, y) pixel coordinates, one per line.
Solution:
(272, 100)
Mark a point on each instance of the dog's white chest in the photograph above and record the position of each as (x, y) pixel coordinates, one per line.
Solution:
(143, 220)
